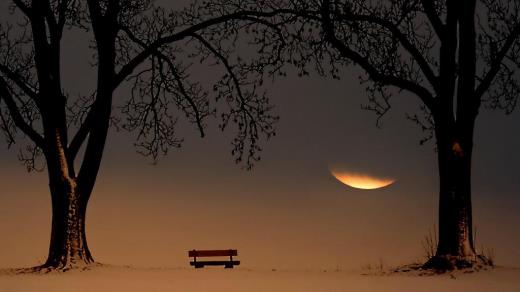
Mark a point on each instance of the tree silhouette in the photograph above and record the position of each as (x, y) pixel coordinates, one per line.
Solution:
(135, 43)
(455, 56)
(438, 52)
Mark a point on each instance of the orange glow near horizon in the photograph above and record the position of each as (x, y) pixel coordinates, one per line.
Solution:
(361, 181)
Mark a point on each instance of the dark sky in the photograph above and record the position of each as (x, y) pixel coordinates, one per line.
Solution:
(288, 211)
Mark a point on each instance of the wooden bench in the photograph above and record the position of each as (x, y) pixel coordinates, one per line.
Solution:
(214, 253)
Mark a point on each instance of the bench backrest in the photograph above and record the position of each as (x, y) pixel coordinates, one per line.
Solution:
(213, 253)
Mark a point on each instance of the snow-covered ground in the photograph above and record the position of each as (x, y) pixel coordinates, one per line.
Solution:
(241, 279)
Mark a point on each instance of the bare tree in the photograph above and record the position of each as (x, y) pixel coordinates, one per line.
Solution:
(455, 56)
(452, 57)
(133, 42)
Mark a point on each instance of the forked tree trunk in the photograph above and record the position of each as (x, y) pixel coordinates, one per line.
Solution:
(68, 244)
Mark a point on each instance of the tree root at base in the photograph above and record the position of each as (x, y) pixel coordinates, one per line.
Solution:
(46, 269)
(450, 263)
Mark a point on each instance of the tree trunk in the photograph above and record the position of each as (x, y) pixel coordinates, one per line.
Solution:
(68, 246)
(455, 248)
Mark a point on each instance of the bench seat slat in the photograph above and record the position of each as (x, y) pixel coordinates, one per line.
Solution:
(213, 253)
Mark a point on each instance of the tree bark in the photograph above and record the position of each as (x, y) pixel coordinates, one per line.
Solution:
(68, 246)
(455, 209)
(455, 248)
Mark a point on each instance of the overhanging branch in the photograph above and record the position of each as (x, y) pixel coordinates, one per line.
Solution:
(17, 79)
(497, 62)
(403, 40)
(364, 63)
(127, 69)
(17, 116)
(180, 85)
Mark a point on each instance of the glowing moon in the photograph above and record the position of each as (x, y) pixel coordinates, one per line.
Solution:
(361, 181)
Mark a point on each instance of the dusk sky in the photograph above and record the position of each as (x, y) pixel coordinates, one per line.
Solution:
(288, 211)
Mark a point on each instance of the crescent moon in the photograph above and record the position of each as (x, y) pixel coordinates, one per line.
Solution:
(361, 181)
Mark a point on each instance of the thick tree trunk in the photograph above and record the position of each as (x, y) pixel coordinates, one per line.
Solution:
(455, 209)
(68, 246)
(455, 248)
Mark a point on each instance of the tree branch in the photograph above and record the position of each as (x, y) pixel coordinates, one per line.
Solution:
(497, 62)
(62, 14)
(433, 17)
(362, 61)
(19, 82)
(25, 9)
(5, 127)
(17, 116)
(412, 49)
(50, 18)
(95, 15)
(182, 89)
(80, 137)
(127, 69)
(228, 67)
